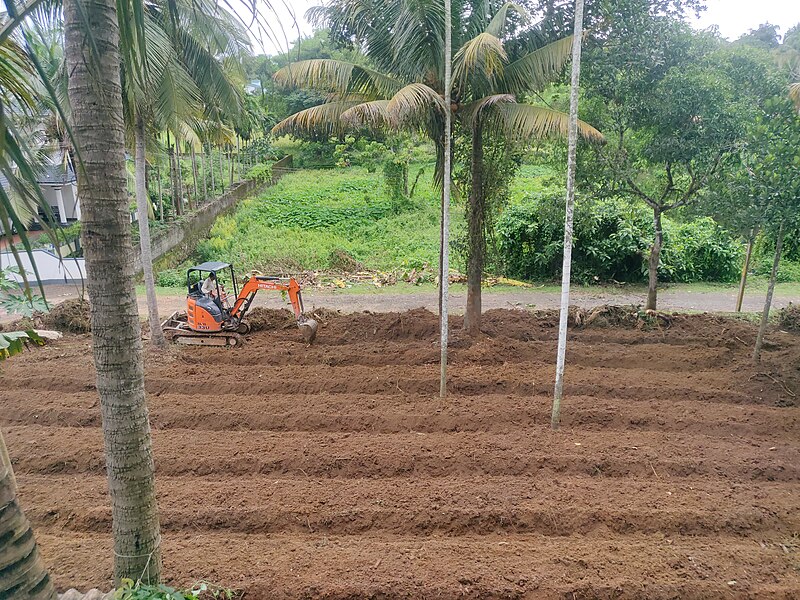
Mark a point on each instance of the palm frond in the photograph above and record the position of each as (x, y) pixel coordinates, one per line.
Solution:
(471, 111)
(498, 21)
(484, 54)
(338, 77)
(374, 115)
(794, 93)
(525, 122)
(536, 70)
(16, 72)
(175, 98)
(414, 104)
(325, 119)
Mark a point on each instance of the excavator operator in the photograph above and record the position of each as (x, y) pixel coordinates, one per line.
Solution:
(210, 285)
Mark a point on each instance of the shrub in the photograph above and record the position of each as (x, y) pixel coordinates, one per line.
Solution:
(261, 172)
(612, 241)
(699, 250)
(609, 239)
(171, 278)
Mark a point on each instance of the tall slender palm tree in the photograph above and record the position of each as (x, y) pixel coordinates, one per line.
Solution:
(162, 87)
(91, 29)
(492, 70)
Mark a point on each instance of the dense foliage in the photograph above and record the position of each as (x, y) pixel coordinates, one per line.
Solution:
(611, 241)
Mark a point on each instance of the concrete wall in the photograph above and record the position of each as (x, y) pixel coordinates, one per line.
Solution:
(51, 268)
(176, 244)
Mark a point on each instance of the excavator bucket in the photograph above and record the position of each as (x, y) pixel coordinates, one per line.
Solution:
(308, 328)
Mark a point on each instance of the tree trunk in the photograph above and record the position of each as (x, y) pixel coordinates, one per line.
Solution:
(745, 268)
(156, 335)
(566, 265)
(203, 171)
(23, 575)
(230, 165)
(476, 218)
(211, 163)
(173, 181)
(238, 159)
(444, 273)
(95, 97)
(160, 194)
(762, 328)
(178, 177)
(655, 258)
(194, 177)
(222, 171)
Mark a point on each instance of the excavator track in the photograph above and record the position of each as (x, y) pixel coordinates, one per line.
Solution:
(193, 338)
(177, 331)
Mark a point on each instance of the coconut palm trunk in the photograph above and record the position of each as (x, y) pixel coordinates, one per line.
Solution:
(211, 168)
(95, 96)
(178, 177)
(22, 572)
(476, 216)
(142, 201)
(203, 171)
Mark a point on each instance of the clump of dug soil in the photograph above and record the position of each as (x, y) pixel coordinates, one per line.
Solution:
(71, 316)
(789, 318)
(265, 319)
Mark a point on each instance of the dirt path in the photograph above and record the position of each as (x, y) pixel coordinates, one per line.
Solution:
(334, 471)
(385, 300)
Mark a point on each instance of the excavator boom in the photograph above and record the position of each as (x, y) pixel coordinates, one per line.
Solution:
(308, 327)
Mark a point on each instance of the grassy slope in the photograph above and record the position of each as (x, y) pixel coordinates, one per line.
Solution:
(312, 219)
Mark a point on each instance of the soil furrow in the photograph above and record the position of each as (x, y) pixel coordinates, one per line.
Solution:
(535, 452)
(494, 567)
(445, 506)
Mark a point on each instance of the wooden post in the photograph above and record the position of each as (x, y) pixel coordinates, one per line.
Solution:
(745, 268)
(555, 418)
(762, 328)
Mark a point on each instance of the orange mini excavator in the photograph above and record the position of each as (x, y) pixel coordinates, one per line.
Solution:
(212, 320)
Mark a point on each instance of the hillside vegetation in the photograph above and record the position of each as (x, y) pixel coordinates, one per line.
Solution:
(344, 220)
(332, 219)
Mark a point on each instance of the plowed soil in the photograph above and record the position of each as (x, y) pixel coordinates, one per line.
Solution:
(334, 471)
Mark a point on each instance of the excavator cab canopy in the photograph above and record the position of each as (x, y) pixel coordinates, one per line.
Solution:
(203, 270)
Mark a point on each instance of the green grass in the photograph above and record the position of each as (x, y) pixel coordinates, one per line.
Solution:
(332, 219)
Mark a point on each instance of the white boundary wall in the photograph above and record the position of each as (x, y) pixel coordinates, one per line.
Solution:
(51, 268)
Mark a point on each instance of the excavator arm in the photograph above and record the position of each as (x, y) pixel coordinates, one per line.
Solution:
(283, 284)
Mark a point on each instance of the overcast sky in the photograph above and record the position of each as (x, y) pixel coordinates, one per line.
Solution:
(733, 17)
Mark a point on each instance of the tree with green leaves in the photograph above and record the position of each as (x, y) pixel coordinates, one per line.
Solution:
(672, 112)
(168, 81)
(762, 189)
(92, 51)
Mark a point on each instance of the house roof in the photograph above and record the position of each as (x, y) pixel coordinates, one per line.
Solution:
(56, 174)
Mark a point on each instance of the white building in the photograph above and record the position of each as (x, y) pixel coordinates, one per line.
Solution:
(60, 189)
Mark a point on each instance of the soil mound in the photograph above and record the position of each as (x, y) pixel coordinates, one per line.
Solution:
(419, 324)
(71, 316)
(265, 319)
(789, 318)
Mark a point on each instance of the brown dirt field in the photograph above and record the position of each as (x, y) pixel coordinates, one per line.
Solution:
(334, 471)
